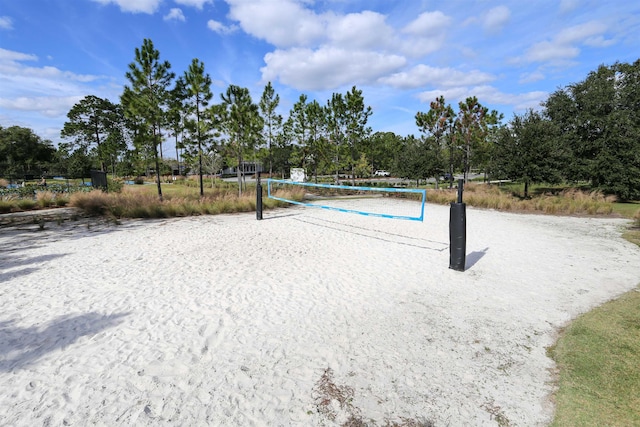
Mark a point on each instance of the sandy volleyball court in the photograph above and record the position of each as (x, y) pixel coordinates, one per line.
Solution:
(229, 321)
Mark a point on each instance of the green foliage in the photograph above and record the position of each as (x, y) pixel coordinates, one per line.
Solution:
(527, 150)
(272, 122)
(418, 159)
(346, 120)
(198, 121)
(473, 125)
(114, 185)
(383, 149)
(26, 204)
(438, 124)
(6, 206)
(96, 122)
(598, 120)
(22, 152)
(146, 101)
(239, 119)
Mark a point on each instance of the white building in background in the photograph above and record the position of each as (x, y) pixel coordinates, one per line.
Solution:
(298, 175)
(246, 168)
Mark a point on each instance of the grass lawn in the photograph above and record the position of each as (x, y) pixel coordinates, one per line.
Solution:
(598, 356)
(626, 210)
(181, 190)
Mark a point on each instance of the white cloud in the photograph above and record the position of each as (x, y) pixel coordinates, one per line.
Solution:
(327, 67)
(10, 56)
(428, 24)
(220, 28)
(175, 14)
(423, 75)
(47, 90)
(550, 51)
(134, 6)
(198, 4)
(365, 30)
(563, 47)
(283, 23)
(426, 33)
(6, 23)
(487, 95)
(580, 32)
(532, 77)
(496, 19)
(599, 41)
(48, 106)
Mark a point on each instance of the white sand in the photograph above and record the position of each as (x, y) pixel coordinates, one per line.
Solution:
(231, 321)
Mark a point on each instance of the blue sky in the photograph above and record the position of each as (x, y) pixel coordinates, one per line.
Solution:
(402, 54)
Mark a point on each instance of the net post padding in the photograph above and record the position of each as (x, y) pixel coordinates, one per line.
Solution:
(458, 232)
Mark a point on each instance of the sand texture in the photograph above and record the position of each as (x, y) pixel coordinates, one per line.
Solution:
(306, 318)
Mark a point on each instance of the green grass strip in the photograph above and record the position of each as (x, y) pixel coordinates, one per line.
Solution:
(598, 357)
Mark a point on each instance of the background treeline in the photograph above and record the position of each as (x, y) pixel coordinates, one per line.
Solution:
(587, 132)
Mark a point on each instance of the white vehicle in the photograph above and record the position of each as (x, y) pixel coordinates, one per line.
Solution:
(381, 173)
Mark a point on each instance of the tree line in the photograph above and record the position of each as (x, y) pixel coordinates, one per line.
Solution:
(587, 132)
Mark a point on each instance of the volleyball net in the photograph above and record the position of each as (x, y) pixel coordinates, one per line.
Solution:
(385, 202)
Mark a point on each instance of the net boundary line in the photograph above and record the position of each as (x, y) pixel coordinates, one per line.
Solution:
(423, 192)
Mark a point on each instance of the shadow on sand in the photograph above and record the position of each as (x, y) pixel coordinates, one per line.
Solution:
(21, 347)
(474, 257)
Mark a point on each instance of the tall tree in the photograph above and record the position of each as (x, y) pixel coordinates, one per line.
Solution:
(599, 117)
(416, 159)
(383, 150)
(176, 116)
(437, 123)
(473, 124)
(239, 119)
(336, 114)
(75, 161)
(308, 123)
(357, 116)
(146, 99)
(300, 126)
(198, 123)
(527, 150)
(22, 152)
(283, 150)
(272, 120)
(316, 121)
(90, 122)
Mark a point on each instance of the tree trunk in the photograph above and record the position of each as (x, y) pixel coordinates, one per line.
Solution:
(200, 168)
(155, 148)
(239, 175)
(177, 154)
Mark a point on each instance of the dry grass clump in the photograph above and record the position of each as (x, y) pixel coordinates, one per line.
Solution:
(567, 202)
(46, 199)
(135, 204)
(94, 202)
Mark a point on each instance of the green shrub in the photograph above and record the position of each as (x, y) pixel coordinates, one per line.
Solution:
(61, 201)
(114, 185)
(6, 206)
(26, 204)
